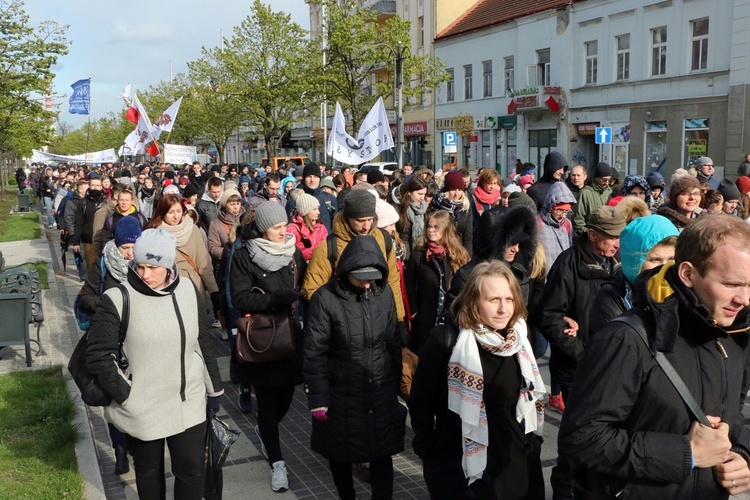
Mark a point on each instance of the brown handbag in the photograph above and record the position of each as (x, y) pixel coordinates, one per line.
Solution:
(265, 337)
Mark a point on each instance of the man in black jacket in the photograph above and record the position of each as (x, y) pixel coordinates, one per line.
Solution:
(572, 284)
(311, 185)
(626, 423)
(555, 166)
(83, 225)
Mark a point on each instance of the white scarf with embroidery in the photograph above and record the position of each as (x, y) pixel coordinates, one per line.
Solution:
(466, 385)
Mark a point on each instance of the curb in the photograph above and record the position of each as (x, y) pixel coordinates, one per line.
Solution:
(88, 465)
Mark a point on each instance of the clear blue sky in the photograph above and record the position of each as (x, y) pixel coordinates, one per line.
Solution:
(116, 43)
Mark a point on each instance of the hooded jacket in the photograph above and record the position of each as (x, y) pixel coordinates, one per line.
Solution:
(592, 197)
(555, 237)
(553, 162)
(208, 210)
(626, 423)
(352, 362)
(328, 205)
(319, 270)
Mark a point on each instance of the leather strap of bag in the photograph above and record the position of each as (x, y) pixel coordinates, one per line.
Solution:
(190, 261)
(636, 323)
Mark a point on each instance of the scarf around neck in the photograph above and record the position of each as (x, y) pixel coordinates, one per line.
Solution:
(485, 198)
(466, 386)
(182, 231)
(115, 262)
(434, 250)
(415, 214)
(271, 256)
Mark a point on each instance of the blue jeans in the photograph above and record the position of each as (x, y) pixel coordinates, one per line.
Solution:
(48, 209)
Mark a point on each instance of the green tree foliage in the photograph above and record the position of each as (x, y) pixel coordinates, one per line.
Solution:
(267, 71)
(360, 48)
(27, 54)
(105, 133)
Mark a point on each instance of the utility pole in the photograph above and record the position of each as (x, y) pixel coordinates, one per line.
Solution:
(400, 111)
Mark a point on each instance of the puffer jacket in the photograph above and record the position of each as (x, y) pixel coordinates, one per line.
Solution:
(307, 240)
(353, 362)
(319, 271)
(555, 237)
(172, 365)
(572, 285)
(251, 289)
(626, 423)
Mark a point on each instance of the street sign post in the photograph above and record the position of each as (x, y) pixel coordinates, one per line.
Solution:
(450, 142)
(603, 135)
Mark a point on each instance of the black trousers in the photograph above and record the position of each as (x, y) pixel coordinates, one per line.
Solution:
(273, 403)
(381, 476)
(186, 450)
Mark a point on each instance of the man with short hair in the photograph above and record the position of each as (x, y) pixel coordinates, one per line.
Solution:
(83, 224)
(74, 204)
(593, 196)
(572, 284)
(359, 177)
(705, 167)
(271, 190)
(208, 206)
(625, 422)
(576, 180)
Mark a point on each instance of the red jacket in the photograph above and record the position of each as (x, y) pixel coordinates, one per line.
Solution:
(306, 240)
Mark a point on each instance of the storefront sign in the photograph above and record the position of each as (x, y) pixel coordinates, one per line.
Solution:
(587, 128)
(526, 91)
(415, 128)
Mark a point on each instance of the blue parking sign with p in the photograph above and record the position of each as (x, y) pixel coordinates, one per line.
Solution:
(449, 138)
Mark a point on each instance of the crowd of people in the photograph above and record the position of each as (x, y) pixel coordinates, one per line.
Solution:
(426, 296)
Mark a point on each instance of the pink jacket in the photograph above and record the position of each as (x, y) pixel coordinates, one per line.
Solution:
(306, 240)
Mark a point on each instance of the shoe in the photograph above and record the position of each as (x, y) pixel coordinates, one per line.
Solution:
(224, 335)
(217, 324)
(263, 448)
(364, 472)
(556, 403)
(279, 480)
(246, 400)
(121, 460)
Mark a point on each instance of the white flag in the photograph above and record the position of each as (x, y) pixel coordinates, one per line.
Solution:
(373, 138)
(133, 144)
(143, 128)
(126, 95)
(166, 120)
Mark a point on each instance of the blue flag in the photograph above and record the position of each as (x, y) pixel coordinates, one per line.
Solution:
(80, 100)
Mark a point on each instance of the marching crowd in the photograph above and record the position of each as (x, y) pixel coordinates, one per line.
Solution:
(426, 296)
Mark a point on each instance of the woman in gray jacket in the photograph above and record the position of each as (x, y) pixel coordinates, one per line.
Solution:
(162, 394)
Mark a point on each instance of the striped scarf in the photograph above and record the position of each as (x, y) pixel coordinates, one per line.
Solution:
(466, 386)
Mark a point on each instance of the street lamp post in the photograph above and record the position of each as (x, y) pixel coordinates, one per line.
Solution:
(400, 149)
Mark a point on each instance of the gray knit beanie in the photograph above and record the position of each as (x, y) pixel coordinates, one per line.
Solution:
(306, 203)
(155, 247)
(359, 204)
(268, 214)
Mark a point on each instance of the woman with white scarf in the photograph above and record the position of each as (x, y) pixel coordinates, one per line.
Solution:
(193, 259)
(478, 430)
(265, 278)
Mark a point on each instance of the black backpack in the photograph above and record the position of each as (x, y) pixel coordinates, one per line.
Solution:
(333, 249)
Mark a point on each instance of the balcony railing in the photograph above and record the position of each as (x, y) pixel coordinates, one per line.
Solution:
(382, 7)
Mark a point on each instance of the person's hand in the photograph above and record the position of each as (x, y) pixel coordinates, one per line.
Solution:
(213, 405)
(572, 329)
(710, 445)
(76, 248)
(281, 299)
(319, 413)
(734, 474)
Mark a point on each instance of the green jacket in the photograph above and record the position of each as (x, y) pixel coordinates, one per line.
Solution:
(592, 197)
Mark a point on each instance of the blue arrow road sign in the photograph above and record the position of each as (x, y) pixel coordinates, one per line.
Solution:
(603, 135)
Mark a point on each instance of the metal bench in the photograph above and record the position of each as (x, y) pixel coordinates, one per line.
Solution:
(20, 305)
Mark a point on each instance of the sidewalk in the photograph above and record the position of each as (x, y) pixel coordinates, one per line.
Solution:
(246, 473)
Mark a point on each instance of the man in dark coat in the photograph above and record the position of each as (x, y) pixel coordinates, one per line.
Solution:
(572, 283)
(555, 166)
(626, 423)
(21, 179)
(352, 368)
(83, 224)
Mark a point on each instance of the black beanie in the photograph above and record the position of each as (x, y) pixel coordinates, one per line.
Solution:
(729, 191)
(602, 169)
(190, 190)
(374, 176)
(359, 203)
(310, 169)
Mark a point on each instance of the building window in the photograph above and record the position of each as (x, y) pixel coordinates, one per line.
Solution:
(659, 51)
(592, 59)
(541, 142)
(487, 79)
(623, 57)
(509, 74)
(543, 63)
(450, 86)
(656, 145)
(700, 44)
(467, 82)
(695, 140)
(421, 31)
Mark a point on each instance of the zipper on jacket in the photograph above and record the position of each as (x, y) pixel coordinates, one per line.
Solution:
(724, 379)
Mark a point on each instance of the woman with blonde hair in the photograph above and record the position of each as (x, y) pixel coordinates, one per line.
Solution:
(476, 399)
(429, 273)
(193, 260)
(487, 193)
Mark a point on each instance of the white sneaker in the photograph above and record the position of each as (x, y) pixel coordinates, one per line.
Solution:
(216, 324)
(279, 480)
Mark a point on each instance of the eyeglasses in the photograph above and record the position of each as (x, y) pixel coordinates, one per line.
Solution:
(562, 211)
(693, 194)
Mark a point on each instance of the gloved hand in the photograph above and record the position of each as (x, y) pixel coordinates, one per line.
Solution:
(216, 302)
(213, 405)
(403, 333)
(319, 413)
(281, 299)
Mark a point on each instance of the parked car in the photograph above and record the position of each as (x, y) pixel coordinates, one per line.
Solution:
(387, 167)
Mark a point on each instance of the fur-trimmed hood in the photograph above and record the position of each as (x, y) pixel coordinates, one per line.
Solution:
(631, 208)
(496, 229)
